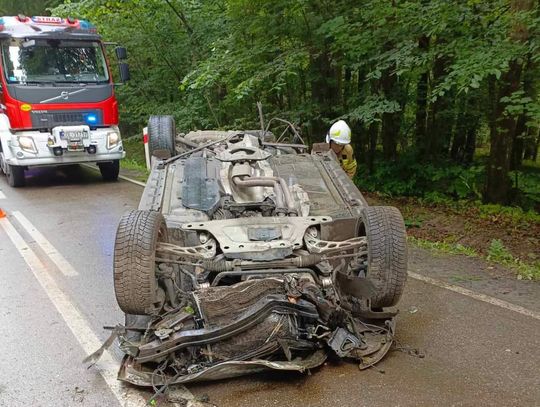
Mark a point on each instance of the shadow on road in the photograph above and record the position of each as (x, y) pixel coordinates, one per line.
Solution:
(62, 175)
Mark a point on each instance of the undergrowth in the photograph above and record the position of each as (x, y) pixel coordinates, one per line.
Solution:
(445, 247)
(499, 253)
(445, 182)
(135, 159)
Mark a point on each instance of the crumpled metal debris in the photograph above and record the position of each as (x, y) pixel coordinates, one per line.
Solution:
(94, 357)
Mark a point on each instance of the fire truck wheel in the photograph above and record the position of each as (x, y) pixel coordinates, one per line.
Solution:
(109, 171)
(161, 136)
(15, 176)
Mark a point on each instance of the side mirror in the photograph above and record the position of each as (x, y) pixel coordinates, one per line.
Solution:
(124, 71)
(121, 53)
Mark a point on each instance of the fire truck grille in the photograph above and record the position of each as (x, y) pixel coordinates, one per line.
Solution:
(49, 119)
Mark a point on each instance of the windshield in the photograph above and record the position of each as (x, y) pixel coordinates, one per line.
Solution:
(54, 61)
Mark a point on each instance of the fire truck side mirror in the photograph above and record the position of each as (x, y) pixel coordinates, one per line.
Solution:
(124, 71)
(121, 53)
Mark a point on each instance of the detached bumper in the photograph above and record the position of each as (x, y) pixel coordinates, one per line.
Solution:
(45, 152)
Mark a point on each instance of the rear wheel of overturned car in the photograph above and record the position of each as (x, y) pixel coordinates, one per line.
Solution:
(135, 282)
(109, 171)
(15, 176)
(384, 229)
(161, 136)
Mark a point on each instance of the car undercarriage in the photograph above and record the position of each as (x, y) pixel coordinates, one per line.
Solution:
(248, 254)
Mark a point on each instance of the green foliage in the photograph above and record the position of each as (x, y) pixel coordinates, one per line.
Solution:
(445, 182)
(520, 104)
(498, 252)
(372, 109)
(135, 161)
(527, 185)
(509, 214)
(134, 148)
(27, 7)
(410, 177)
(208, 62)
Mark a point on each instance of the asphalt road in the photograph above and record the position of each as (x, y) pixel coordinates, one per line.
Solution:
(481, 345)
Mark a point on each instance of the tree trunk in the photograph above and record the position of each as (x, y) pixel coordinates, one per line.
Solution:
(347, 89)
(467, 124)
(421, 102)
(504, 130)
(524, 135)
(323, 91)
(531, 147)
(518, 143)
(470, 144)
(498, 182)
(440, 116)
(373, 134)
(460, 132)
(391, 122)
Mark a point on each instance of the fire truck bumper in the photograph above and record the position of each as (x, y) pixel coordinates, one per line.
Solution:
(32, 149)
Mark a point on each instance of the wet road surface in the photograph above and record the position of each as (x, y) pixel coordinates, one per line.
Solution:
(56, 295)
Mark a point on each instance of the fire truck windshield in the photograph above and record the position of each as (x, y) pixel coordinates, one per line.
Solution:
(36, 61)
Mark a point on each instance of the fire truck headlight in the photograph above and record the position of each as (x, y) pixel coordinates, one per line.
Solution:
(113, 139)
(26, 143)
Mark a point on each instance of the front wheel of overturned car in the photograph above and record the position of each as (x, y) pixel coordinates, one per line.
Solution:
(109, 171)
(135, 282)
(15, 176)
(161, 136)
(384, 229)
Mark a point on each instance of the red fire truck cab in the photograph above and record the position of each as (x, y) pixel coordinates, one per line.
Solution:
(57, 103)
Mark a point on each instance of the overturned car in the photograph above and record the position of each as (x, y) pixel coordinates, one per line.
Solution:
(248, 254)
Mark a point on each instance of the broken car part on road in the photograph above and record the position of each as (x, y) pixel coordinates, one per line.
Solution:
(246, 254)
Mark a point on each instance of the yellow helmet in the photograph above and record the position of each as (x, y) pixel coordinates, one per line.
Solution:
(339, 133)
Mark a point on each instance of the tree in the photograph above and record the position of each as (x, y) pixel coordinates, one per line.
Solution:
(27, 7)
(504, 128)
(418, 81)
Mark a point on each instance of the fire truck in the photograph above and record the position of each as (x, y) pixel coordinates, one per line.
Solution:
(57, 102)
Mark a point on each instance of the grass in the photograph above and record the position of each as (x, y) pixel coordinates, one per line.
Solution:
(134, 149)
(497, 253)
(511, 214)
(135, 161)
(444, 247)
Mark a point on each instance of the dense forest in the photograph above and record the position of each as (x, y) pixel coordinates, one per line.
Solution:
(442, 95)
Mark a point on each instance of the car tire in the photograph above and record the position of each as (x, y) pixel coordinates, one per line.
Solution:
(387, 253)
(15, 176)
(109, 171)
(161, 136)
(135, 282)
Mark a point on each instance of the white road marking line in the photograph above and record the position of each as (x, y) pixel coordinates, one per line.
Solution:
(2, 195)
(62, 264)
(477, 296)
(88, 340)
(133, 181)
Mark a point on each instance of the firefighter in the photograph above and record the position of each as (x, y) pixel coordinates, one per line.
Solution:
(339, 138)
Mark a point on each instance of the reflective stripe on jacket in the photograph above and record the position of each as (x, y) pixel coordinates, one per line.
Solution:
(347, 160)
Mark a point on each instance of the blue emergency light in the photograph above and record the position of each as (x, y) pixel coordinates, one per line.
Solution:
(91, 118)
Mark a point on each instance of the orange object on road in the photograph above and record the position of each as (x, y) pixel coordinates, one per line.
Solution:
(2, 213)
